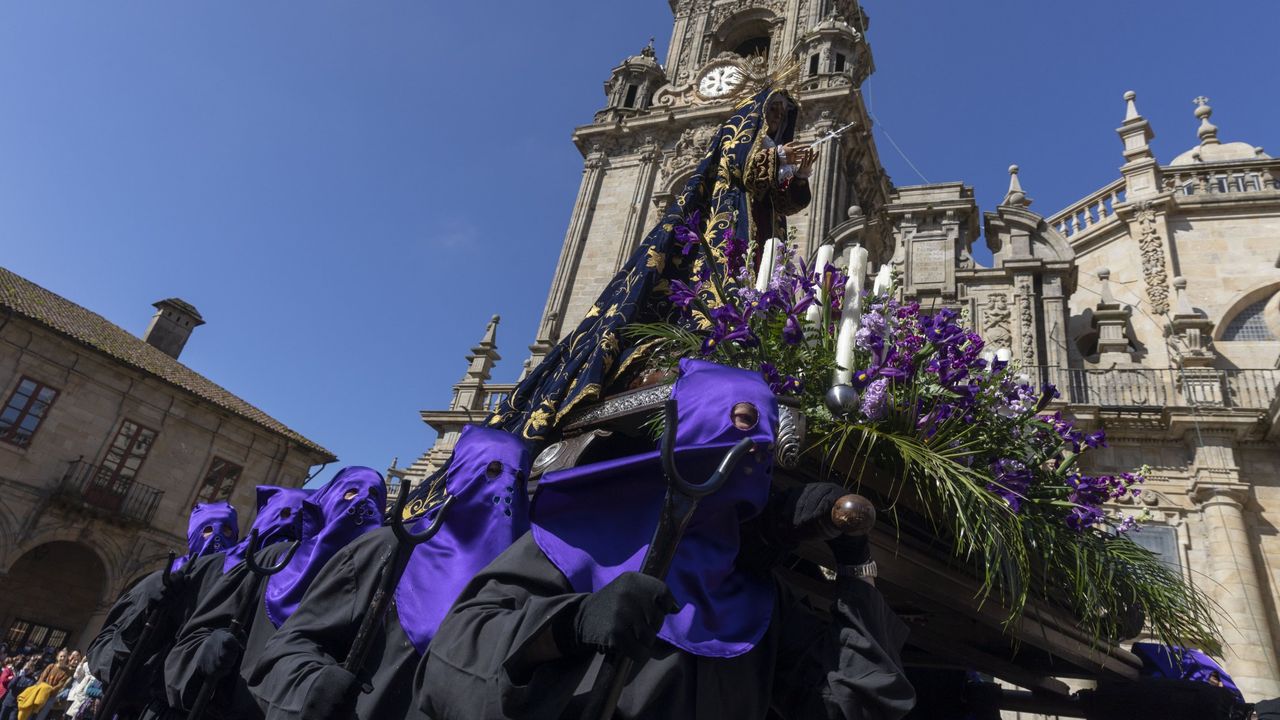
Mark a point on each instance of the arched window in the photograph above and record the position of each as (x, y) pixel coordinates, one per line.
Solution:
(747, 34)
(753, 46)
(1250, 324)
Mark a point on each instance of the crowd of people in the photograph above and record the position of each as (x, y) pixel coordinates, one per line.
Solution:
(47, 685)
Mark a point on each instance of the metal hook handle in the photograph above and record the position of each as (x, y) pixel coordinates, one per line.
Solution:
(717, 479)
(251, 557)
(397, 518)
(167, 575)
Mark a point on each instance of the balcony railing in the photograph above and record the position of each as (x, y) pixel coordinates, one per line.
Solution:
(1253, 177)
(1143, 388)
(95, 487)
(1090, 212)
(495, 394)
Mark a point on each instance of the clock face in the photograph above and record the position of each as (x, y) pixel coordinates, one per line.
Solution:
(720, 81)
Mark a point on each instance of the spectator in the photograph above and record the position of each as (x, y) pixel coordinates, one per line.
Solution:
(78, 690)
(60, 701)
(25, 678)
(51, 681)
(7, 671)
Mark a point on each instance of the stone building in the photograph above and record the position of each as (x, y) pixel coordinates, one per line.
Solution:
(1152, 303)
(106, 441)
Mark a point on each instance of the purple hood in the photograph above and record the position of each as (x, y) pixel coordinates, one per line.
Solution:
(595, 522)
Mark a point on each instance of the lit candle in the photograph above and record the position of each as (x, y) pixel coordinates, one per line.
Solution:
(814, 314)
(851, 313)
(884, 279)
(768, 258)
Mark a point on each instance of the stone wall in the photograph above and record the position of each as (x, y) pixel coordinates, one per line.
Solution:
(95, 394)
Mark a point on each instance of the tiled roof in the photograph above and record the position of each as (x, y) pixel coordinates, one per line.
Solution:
(23, 297)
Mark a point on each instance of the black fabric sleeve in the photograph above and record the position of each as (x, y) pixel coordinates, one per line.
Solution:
(847, 669)
(482, 661)
(321, 630)
(215, 609)
(109, 651)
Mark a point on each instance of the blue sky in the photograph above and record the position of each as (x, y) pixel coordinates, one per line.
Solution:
(347, 191)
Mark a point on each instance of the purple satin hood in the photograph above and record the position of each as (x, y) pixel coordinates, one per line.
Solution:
(220, 519)
(329, 522)
(595, 522)
(277, 509)
(1164, 661)
(486, 476)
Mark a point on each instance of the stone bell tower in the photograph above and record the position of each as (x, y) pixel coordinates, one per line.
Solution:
(657, 118)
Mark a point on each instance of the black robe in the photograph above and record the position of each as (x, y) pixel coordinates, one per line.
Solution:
(320, 632)
(109, 651)
(217, 609)
(803, 667)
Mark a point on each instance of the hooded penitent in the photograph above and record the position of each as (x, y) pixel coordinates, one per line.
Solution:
(596, 521)
(278, 510)
(211, 529)
(1177, 663)
(490, 510)
(348, 506)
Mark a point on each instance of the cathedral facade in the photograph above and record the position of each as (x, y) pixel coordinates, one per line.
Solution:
(1153, 303)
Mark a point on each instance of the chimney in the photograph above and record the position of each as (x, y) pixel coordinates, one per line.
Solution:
(172, 325)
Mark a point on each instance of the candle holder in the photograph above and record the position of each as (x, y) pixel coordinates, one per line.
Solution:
(842, 400)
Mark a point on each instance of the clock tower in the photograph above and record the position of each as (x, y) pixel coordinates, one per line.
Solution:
(658, 118)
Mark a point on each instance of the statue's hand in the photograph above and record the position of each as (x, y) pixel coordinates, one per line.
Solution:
(805, 167)
(793, 153)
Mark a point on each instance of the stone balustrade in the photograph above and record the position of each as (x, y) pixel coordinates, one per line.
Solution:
(495, 393)
(1250, 177)
(1092, 211)
(1159, 388)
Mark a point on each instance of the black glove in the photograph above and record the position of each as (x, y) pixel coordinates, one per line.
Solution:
(333, 695)
(851, 549)
(219, 654)
(621, 618)
(806, 504)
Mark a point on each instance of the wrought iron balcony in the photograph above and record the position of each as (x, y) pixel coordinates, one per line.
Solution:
(1145, 388)
(97, 488)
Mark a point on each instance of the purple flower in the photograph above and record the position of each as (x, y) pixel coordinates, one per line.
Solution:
(735, 249)
(862, 377)
(792, 331)
(681, 295)
(780, 385)
(873, 399)
(1012, 480)
(686, 235)
(1096, 440)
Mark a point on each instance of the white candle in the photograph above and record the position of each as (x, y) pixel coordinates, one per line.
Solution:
(768, 258)
(814, 314)
(850, 313)
(884, 279)
(1004, 355)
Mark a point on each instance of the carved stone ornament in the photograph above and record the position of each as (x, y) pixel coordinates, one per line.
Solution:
(996, 316)
(687, 152)
(1026, 320)
(727, 10)
(1151, 249)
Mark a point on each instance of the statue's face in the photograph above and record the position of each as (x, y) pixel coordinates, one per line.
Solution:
(775, 113)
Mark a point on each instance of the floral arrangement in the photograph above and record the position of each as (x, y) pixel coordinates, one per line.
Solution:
(971, 444)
